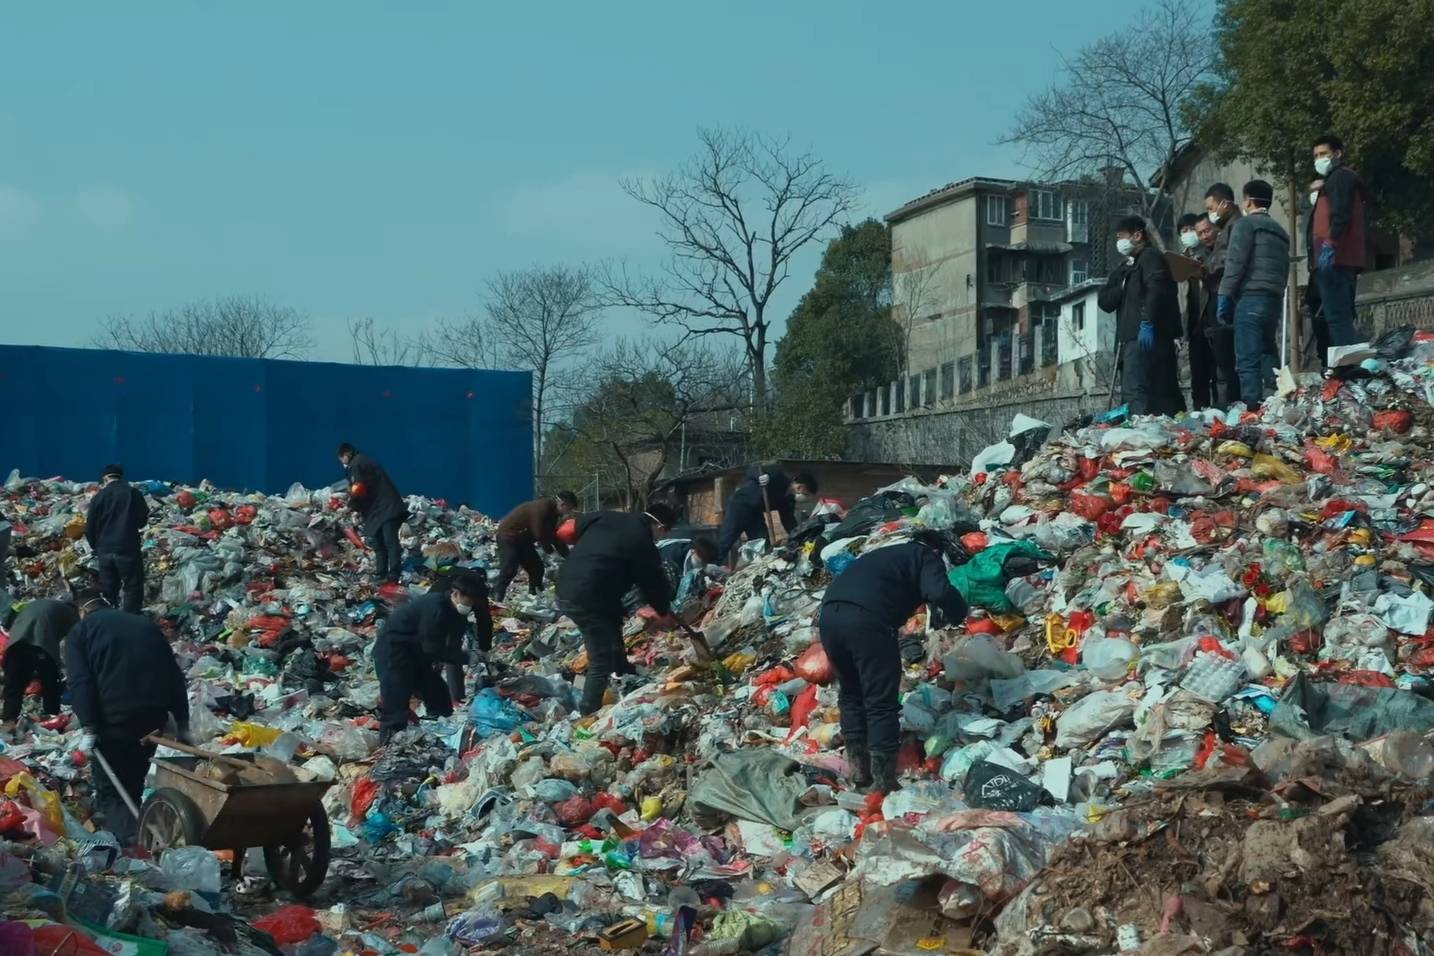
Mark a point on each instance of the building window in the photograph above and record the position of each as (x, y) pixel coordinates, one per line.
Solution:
(1080, 271)
(1078, 316)
(983, 368)
(928, 387)
(1003, 355)
(1028, 352)
(914, 390)
(871, 404)
(857, 402)
(1078, 221)
(1048, 327)
(995, 210)
(948, 381)
(963, 373)
(885, 392)
(900, 396)
(993, 267)
(1045, 205)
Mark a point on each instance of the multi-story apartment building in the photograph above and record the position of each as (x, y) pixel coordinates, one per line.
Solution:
(981, 268)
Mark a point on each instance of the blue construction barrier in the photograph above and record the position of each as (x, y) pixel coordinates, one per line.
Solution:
(257, 424)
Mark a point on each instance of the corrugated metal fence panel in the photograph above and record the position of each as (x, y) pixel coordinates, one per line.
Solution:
(457, 434)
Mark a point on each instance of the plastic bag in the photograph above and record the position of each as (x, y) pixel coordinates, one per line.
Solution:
(191, 868)
(289, 924)
(253, 735)
(493, 715)
(1091, 717)
(813, 666)
(982, 580)
(45, 802)
(990, 786)
(1108, 657)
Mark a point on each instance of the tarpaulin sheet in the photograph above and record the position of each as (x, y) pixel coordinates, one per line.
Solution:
(257, 424)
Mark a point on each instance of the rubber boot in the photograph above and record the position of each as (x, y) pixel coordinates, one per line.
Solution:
(883, 772)
(860, 760)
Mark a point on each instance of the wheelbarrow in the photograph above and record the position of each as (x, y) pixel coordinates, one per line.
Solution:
(188, 808)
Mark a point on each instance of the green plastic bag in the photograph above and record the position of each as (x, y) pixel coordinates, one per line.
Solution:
(982, 580)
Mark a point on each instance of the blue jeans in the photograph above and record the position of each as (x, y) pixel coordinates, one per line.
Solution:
(1336, 292)
(1257, 321)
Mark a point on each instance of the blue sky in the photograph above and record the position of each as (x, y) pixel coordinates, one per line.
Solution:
(364, 159)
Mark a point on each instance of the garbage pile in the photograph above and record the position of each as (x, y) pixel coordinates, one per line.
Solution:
(1190, 713)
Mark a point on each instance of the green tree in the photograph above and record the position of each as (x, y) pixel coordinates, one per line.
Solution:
(841, 339)
(1363, 69)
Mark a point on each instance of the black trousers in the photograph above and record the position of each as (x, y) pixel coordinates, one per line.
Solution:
(405, 672)
(1150, 381)
(24, 663)
(125, 572)
(513, 555)
(602, 639)
(1222, 348)
(125, 750)
(387, 552)
(865, 654)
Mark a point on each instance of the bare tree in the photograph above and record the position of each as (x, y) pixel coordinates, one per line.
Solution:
(463, 343)
(917, 293)
(732, 217)
(236, 326)
(377, 345)
(1121, 102)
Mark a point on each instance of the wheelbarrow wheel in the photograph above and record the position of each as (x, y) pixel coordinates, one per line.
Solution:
(300, 864)
(169, 819)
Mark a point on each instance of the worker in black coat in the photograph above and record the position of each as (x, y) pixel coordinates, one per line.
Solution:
(861, 615)
(1142, 294)
(746, 511)
(124, 685)
(375, 497)
(34, 654)
(615, 551)
(456, 650)
(416, 639)
(116, 516)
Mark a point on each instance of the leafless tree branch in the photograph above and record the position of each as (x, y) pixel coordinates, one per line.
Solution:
(236, 326)
(373, 344)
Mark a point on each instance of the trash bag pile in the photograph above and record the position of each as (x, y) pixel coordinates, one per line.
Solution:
(1190, 712)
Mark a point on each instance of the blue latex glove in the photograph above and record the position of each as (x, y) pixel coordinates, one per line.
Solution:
(1225, 310)
(1326, 257)
(1147, 336)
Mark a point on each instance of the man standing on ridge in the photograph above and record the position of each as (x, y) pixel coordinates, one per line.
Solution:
(116, 516)
(525, 529)
(1337, 234)
(1141, 293)
(375, 497)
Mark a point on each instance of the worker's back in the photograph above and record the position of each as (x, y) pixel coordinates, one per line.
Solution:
(890, 583)
(120, 666)
(615, 551)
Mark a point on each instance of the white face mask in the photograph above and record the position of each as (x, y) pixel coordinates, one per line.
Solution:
(1214, 218)
(463, 609)
(1189, 240)
(1124, 246)
(1324, 164)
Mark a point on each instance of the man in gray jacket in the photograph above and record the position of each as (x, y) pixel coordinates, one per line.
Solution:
(1257, 267)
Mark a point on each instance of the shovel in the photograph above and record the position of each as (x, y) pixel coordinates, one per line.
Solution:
(114, 781)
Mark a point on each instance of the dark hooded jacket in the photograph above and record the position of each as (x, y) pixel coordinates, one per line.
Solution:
(373, 494)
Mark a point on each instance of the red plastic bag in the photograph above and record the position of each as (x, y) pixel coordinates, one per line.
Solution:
(12, 818)
(289, 924)
(975, 541)
(245, 514)
(1397, 420)
(775, 676)
(219, 519)
(186, 500)
(802, 708)
(1089, 507)
(364, 794)
(1319, 460)
(813, 666)
(609, 801)
(574, 811)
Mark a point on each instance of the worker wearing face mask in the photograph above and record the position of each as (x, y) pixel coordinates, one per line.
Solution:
(1337, 233)
(416, 639)
(1141, 292)
(1203, 376)
(804, 496)
(1313, 306)
(1257, 267)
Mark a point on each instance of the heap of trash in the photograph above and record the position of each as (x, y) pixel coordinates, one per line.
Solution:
(1190, 712)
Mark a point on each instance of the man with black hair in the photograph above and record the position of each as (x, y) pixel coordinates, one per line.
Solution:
(525, 529)
(861, 616)
(419, 636)
(125, 684)
(374, 496)
(804, 495)
(1141, 292)
(746, 511)
(116, 516)
(615, 551)
(34, 654)
(1203, 368)
(1257, 268)
(1337, 236)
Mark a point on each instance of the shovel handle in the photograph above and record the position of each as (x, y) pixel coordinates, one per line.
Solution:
(114, 781)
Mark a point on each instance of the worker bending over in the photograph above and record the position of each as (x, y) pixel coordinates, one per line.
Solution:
(34, 654)
(615, 551)
(416, 638)
(116, 516)
(124, 685)
(525, 529)
(747, 509)
(861, 616)
(375, 497)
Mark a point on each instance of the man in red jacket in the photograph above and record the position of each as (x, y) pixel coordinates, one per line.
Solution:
(1337, 238)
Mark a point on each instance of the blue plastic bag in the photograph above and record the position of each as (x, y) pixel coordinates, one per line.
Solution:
(492, 714)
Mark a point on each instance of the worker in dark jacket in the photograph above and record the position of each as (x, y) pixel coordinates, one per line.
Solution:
(525, 529)
(416, 639)
(124, 685)
(615, 551)
(34, 653)
(1337, 235)
(375, 497)
(746, 511)
(1141, 292)
(861, 615)
(1257, 268)
(116, 516)
(1221, 338)
(455, 653)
